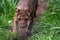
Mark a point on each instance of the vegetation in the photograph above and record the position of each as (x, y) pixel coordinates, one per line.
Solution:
(6, 16)
(46, 27)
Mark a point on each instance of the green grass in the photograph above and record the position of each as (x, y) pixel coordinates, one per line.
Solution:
(6, 11)
(6, 16)
(46, 27)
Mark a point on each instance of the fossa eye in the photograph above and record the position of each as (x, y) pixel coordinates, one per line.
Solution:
(19, 18)
(26, 19)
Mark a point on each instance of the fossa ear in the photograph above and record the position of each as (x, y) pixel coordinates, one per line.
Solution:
(17, 10)
(27, 9)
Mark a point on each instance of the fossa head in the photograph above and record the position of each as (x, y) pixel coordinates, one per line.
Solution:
(23, 18)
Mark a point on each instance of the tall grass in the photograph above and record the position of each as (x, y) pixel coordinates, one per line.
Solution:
(6, 11)
(6, 16)
(46, 27)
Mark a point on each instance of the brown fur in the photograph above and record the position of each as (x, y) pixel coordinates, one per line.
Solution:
(42, 4)
(24, 16)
